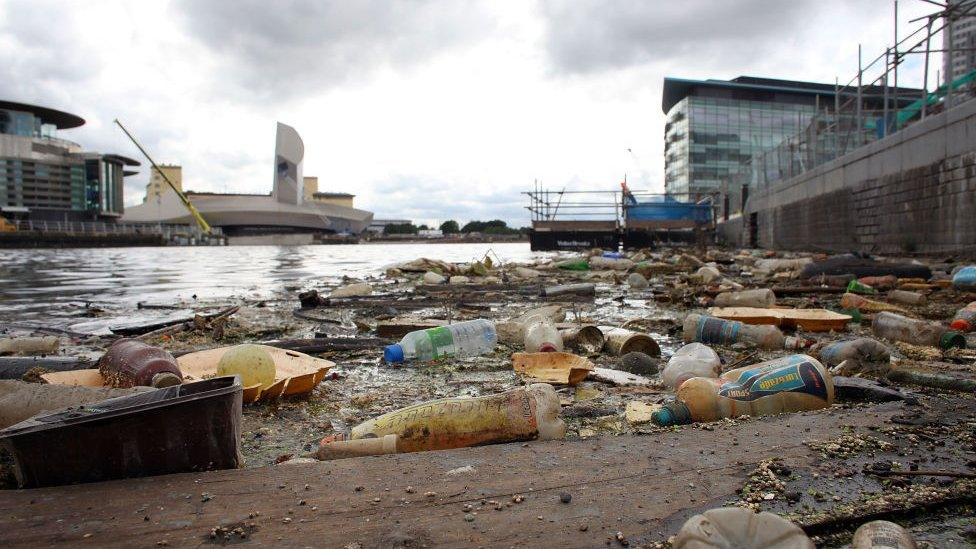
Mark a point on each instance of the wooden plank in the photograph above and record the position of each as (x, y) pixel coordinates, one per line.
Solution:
(811, 320)
(641, 486)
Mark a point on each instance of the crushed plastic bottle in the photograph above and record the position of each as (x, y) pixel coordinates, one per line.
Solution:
(858, 287)
(740, 528)
(470, 338)
(763, 299)
(793, 383)
(527, 413)
(708, 329)
(965, 318)
(854, 301)
(130, 362)
(862, 355)
(918, 332)
(691, 360)
(906, 298)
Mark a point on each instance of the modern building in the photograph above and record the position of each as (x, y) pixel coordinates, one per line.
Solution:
(960, 36)
(312, 194)
(283, 211)
(45, 177)
(157, 184)
(714, 127)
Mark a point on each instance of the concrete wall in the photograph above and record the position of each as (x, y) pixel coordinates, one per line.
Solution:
(914, 191)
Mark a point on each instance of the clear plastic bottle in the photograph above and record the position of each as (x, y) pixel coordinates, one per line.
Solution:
(919, 332)
(692, 360)
(881, 534)
(708, 329)
(790, 384)
(965, 318)
(906, 298)
(862, 350)
(469, 338)
(540, 335)
(762, 299)
(740, 528)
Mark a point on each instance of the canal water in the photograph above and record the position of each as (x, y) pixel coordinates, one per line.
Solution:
(42, 284)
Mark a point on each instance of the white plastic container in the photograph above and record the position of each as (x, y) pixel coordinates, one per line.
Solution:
(692, 360)
(740, 528)
(469, 338)
(540, 335)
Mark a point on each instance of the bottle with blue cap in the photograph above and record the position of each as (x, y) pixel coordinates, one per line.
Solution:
(469, 338)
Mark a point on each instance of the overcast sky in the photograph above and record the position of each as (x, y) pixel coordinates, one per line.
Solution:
(424, 110)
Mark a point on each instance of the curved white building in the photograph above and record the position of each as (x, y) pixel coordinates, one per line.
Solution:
(285, 210)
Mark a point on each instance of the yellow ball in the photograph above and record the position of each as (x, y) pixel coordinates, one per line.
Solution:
(252, 362)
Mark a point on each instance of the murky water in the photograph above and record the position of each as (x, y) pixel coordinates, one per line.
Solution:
(38, 284)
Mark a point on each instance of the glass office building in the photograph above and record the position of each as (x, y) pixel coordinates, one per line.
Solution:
(44, 177)
(713, 127)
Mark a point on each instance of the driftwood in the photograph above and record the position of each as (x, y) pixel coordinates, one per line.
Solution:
(13, 367)
(325, 344)
(936, 381)
(176, 326)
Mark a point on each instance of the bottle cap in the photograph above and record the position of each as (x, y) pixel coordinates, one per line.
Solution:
(952, 339)
(548, 348)
(165, 379)
(393, 353)
(675, 413)
(961, 324)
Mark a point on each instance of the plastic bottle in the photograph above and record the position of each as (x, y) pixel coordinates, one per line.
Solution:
(706, 275)
(965, 278)
(540, 335)
(790, 384)
(906, 298)
(854, 301)
(862, 349)
(740, 528)
(858, 287)
(29, 345)
(748, 298)
(130, 362)
(708, 329)
(526, 413)
(692, 360)
(881, 534)
(573, 265)
(469, 338)
(885, 282)
(965, 318)
(919, 332)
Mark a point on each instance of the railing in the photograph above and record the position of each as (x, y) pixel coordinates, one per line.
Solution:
(617, 207)
(168, 232)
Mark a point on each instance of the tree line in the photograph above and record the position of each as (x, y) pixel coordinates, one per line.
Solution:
(495, 226)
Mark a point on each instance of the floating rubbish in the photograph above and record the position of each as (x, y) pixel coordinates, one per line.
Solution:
(740, 528)
(573, 265)
(638, 363)
(253, 363)
(430, 277)
(861, 355)
(965, 318)
(470, 338)
(936, 381)
(691, 360)
(854, 301)
(706, 275)
(540, 335)
(599, 263)
(906, 298)
(918, 332)
(584, 289)
(639, 413)
(707, 329)
(553, 367)
(621, 341)
(790, 384)
(774, 265)
(747, 298)
(154, 432)
(885, 282)
(858, 287)
(352, 290)
(129, 362)
(29, 345)
(965, 278)
(636, 281)
(881, 534)
(20, 400)
(861, 267)
(617, 377)
(810, 320)
(522, 414)
(584, 339)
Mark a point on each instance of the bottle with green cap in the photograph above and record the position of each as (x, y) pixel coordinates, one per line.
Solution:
(917, 332)
(793, 383)
(469, 338)
(858, 287)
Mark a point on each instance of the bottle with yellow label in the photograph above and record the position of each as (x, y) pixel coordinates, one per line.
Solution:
(790, 384)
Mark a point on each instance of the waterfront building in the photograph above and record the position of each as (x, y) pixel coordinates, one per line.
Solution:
(45, 177)
(288, 209)
(961, 32)
(157, 185)
(714, 127)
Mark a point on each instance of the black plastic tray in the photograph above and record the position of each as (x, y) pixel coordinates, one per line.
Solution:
(191, 427)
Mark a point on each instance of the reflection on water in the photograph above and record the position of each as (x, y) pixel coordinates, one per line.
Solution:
(33, 282)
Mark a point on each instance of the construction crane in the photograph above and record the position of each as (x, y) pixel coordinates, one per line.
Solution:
(201, 222)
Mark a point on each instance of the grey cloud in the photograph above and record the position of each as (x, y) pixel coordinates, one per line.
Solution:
(586, 36)
(286, 49)
(413, 197)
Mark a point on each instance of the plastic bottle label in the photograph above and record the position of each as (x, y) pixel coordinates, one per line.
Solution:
(441, 341)
(802, 377)
(716, 330)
